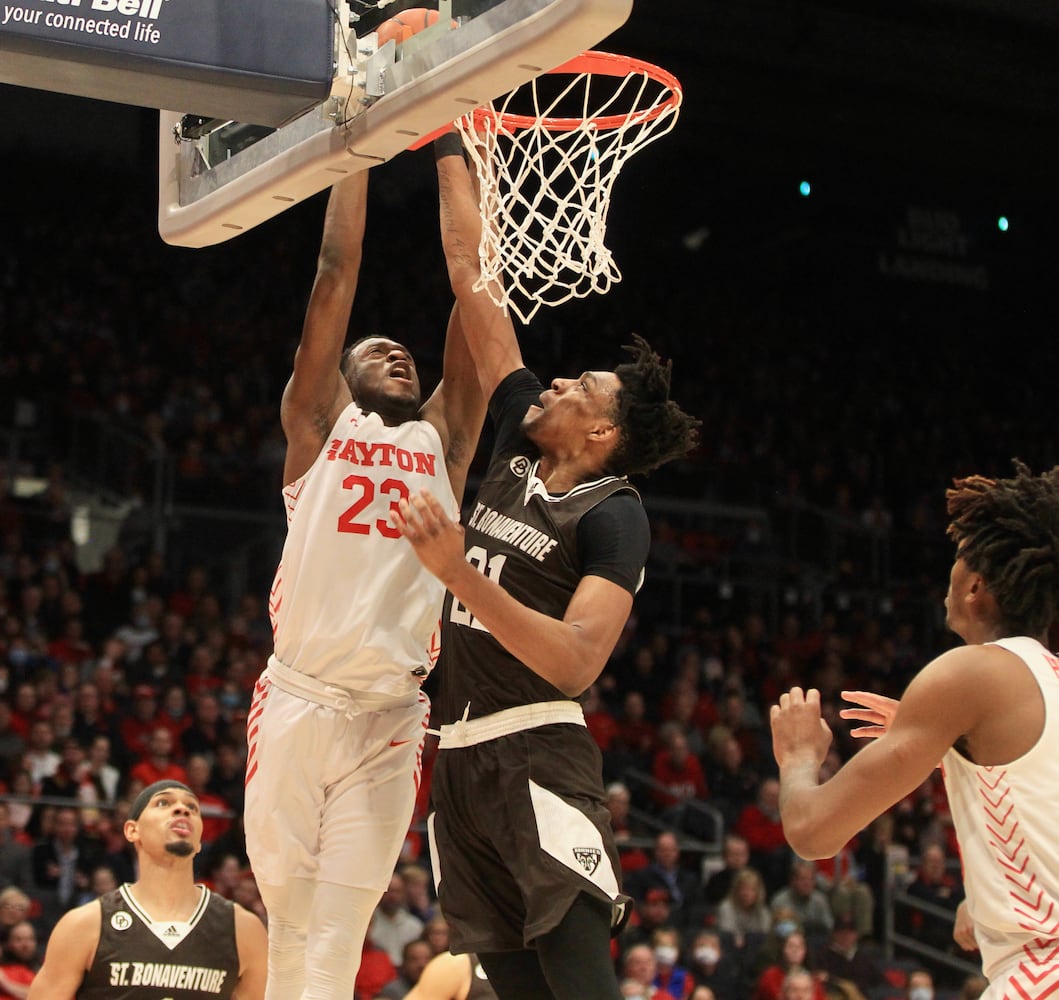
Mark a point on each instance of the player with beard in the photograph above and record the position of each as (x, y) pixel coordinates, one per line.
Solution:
(162, 936)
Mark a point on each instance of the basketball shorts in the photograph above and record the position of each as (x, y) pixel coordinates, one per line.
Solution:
(518, 831)
(330, 794)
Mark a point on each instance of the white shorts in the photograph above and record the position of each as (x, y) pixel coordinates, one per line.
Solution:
(330, 793)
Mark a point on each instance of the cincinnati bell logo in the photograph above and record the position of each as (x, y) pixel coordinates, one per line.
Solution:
(121, 921)
(519, 465)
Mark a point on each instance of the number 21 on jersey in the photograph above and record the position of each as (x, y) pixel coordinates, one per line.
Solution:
(491, 566)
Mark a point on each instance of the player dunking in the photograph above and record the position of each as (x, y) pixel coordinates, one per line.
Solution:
(163, 936)
(338, 719)
(526, 864)
(989, 711)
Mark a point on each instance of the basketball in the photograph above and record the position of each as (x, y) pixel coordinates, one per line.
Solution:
(404, 25)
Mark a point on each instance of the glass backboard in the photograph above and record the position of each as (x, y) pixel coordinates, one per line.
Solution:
(219, 177)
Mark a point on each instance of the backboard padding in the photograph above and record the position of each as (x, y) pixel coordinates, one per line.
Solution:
(425, 89)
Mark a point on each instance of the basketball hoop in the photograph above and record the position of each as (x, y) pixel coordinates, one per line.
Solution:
(546, 156)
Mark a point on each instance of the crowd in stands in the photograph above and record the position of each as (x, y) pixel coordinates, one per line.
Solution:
(116, 678)
(137, 669)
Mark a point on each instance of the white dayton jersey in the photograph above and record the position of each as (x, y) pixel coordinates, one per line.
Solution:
(351, 605)
(1006, 819)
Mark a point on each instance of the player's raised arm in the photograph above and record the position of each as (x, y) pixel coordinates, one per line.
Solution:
(317, 391)
(943, 703)
(488, 328)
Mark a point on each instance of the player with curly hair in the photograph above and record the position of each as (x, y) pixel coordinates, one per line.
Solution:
(541, 581)
(988, 710)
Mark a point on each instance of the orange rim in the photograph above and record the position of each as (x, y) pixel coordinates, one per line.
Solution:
(599, 64)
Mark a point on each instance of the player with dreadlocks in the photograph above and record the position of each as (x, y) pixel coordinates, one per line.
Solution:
(989, 711)
(541, 581)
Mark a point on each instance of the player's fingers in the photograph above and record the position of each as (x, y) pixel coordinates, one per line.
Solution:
(860, 714)
(866, 731)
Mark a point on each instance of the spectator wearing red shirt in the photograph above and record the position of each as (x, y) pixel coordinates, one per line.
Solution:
(376, 970)
(158, 764)
(19, 965)
(214, 823)
(759, 825)
(135, 729)
(601, 724)
(636, 734)
(678, 772)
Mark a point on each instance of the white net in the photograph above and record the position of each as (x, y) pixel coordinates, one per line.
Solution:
(546, 157)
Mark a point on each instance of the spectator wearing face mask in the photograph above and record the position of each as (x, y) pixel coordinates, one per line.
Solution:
(710, 964)
(806, 901)
(920, 985)
(673, 979)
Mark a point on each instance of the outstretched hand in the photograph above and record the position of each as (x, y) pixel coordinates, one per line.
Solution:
(877, 710)
(799, 734)
(436, 537)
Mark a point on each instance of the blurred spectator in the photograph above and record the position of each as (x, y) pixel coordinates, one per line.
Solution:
(215, 821)
(15, 906)
(100, 779)
(599, 719)
(393, 924)
(636, 733)
(936, 885)
(436, 933)
(735, 853)
(671, 977)
(12, 743)
(15, 866)
(794, 954)
(419, 892)
(678, 776)
(744, 912)
(651, 912)
(805, 900)
(710, 964)
(40, 756)
(90, 719)
(175, 715)
(920, 985)
(247, 895)
(618, 802)
(666, 871)
(798, 984)
(226, 779)
(101, 881)
(18, 962)
(759, 824)
(136, 727)
(376, 969)
(157, 763)
(63, 861)
(414, 958)
(65, 781)
(206, 728)
(843, 957)
(732, 782)
(640, 970)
